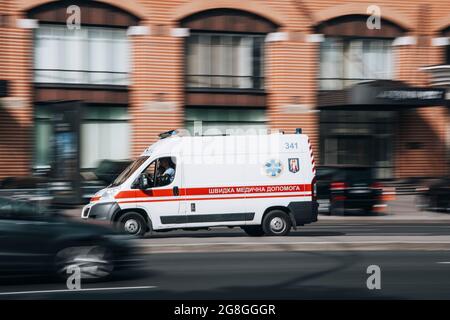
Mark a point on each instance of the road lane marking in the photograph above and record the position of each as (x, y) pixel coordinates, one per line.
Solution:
(80, 290)
(443, 262)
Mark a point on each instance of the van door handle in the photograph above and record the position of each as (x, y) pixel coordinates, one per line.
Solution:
(176, 191)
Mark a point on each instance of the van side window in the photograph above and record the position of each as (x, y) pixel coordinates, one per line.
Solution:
(165, 171)
(160, 172)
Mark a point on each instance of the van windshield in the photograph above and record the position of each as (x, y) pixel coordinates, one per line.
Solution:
(128, 171)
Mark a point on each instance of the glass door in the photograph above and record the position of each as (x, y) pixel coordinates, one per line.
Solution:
(66, 118)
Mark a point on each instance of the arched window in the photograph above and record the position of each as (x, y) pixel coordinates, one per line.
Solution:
(92, 13)
(352, 52)
(226, 49)
(95, 53)
(356, 26)
(224, 67)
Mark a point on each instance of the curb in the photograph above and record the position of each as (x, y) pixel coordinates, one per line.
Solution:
(303, 246)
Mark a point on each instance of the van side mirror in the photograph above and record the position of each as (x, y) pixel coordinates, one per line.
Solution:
(143, 181)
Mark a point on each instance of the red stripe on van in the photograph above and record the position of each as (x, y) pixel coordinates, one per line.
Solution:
(290, 188)
(218, 198)
(248, 189)
(144, 193)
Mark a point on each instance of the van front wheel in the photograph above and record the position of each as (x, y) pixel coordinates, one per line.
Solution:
(133, 224)
(276, 223)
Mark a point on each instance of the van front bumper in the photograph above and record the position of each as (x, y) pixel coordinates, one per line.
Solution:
(100, 211)
(304, 212)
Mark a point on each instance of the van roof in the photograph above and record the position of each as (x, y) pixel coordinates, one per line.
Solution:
(168, 144)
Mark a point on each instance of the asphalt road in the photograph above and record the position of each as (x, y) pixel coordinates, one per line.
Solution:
(278, 274)
(265, 275)
(321, 236)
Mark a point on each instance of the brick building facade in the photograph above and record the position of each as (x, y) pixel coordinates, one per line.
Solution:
(140, 67)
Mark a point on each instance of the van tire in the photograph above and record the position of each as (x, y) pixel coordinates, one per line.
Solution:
(132, 223)
(253, 231)
(276, 223)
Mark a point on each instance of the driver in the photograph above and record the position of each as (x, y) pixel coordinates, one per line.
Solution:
(166, 167)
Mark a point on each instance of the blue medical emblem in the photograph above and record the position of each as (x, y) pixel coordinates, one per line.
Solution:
(273, 168)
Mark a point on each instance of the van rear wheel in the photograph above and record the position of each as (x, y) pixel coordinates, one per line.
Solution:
(253, 231)
(276, 223)
(132, 223)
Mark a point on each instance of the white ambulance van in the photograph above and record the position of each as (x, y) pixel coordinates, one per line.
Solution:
(264, 184)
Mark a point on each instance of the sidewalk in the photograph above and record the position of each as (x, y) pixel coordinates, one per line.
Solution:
(403, 208)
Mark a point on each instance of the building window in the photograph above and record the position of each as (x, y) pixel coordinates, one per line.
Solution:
(90, 55)
(229, 61)
(220, 119)
(347, 61)
(43, 137)
(356, 137)
(105, 134)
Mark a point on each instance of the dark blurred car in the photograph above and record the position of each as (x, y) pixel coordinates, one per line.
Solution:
(30, 188)
(46, 191)
(106, 172)
(435, 196)
(347, 189)
(35, 242)
(31, 182)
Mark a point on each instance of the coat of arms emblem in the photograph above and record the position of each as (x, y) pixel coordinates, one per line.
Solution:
(294, 166)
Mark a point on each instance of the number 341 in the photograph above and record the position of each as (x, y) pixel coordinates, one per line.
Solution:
(290, 145)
